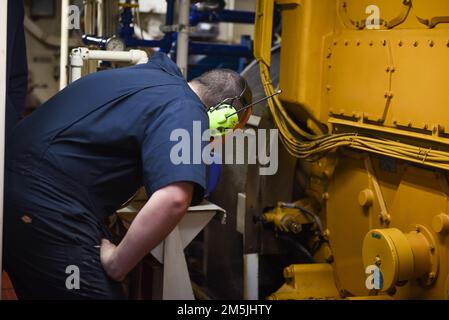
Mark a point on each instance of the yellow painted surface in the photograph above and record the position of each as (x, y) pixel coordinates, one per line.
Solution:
(390, 83)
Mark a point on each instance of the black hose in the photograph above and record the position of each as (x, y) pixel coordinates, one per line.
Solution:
(294, 243)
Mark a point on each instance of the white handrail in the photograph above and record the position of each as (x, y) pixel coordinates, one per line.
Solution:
(79, 55)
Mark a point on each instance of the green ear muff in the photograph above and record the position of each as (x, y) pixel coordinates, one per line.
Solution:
(221, 119)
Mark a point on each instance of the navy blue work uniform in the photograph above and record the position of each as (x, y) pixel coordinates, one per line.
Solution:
(81, 155)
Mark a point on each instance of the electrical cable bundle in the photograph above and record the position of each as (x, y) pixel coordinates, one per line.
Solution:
(304, 145)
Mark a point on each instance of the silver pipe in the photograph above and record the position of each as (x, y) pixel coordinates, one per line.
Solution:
(182, 54)
(100, 18)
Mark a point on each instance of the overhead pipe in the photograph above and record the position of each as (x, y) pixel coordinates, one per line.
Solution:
(233, 16)
(41, 35)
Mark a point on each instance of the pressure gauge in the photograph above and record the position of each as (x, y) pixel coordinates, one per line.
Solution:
(115, 44)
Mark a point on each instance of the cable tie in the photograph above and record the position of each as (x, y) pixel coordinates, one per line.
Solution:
(426, 155)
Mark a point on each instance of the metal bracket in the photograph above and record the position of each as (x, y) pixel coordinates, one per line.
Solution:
(432, 23)
(360, 25)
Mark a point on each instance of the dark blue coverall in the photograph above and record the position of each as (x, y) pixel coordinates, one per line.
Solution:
(82, 154)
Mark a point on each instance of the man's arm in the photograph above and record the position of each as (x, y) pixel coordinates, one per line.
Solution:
(160, 215)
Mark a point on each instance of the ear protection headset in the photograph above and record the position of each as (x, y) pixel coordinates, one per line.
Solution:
(224, 116)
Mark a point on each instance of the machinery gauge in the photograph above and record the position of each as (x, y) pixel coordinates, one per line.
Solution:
(115, 44)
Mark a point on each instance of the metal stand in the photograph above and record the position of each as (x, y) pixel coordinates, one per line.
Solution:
(170, 253)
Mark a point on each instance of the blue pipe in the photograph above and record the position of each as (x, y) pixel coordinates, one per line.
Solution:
(126, 32)
(218, 49)
(221, 16)
(126, 22)
(165, 44)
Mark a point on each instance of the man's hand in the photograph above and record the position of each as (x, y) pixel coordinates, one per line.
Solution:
(152, 225)
(107, 254)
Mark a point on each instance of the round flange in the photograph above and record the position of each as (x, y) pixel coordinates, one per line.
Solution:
(431, 275)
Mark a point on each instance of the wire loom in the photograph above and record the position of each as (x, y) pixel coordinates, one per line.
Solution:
(303, 145)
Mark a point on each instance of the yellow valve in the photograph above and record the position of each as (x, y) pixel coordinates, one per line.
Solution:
(286, 218)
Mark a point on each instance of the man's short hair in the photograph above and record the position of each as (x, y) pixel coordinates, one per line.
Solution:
(219, 84)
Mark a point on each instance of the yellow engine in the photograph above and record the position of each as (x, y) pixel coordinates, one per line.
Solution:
(365, 113)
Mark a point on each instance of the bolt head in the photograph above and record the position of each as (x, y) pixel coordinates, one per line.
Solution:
(288, 273)
(440, 223)
(366, 198)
